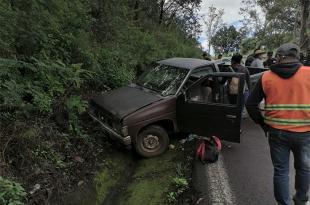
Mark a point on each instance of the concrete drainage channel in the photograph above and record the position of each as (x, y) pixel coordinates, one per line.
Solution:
(125, 179)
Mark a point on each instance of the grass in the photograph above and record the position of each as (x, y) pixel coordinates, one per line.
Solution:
(152, 180)
(126, 181)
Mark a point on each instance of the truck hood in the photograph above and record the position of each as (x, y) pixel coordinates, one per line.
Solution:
(125, 100)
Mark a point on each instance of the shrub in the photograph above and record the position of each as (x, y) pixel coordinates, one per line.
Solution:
(11, 193)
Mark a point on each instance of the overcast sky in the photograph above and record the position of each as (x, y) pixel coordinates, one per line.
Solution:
(231, 13)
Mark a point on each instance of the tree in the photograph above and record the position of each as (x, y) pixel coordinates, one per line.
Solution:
(227, 40)
(271, 22)
(281, 15)
(304, 32)
(213, 21)
(183, 13)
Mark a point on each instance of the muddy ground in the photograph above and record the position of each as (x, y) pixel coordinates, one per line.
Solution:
(124, 178)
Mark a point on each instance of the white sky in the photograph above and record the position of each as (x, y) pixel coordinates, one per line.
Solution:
(231, 13)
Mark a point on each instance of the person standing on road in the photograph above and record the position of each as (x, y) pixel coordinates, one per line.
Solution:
(206, 56)
(238, 68)
(286, 122)
(258, 59)
(270, 60)
(219, 57)
(249, 60)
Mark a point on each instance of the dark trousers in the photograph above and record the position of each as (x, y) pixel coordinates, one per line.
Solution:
(281, 144)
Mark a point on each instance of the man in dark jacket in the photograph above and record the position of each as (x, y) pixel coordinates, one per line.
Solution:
(238, 68)
(286, 90)
(270, 60)
(206, 56)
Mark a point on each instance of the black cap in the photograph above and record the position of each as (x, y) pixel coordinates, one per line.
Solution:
(288, 49)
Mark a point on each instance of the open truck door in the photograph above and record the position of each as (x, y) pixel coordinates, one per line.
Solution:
(208, 107)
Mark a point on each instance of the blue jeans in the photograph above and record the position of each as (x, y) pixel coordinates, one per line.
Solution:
(281, 143)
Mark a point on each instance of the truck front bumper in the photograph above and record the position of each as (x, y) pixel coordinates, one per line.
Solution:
(124, 140)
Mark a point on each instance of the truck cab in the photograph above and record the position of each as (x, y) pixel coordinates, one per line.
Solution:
(178, 95)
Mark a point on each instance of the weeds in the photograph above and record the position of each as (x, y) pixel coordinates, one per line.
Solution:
(179, 184)
(11, 193)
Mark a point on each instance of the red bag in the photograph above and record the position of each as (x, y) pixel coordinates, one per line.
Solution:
(208, 149)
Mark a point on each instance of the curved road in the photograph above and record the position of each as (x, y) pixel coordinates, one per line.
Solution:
(243, 174)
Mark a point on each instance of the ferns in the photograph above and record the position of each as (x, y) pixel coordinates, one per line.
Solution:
(37, 85)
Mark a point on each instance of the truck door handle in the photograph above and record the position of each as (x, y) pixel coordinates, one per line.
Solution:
(231, 116)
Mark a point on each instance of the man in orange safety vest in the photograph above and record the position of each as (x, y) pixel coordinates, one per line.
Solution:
(286, 121)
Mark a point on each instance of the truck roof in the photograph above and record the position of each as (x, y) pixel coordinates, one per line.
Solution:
(187, 63)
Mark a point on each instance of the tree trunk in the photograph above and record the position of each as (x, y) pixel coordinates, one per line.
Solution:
(161, 13)
(136, 9)
(304, 33)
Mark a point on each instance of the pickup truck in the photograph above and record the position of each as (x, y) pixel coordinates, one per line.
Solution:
(177, 95)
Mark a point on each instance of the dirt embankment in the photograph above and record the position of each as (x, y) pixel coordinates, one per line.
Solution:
(48, 163)
(57, 168)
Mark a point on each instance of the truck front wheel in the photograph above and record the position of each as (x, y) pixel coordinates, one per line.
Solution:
(152, 141)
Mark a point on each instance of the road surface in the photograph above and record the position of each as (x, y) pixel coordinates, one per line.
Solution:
(243, 174)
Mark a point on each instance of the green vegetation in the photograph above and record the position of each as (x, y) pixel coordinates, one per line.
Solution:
(11, 193)
(155, 180)
(109, 176)
(266, 24)
(54, 55)
(181, 185)
(271, 23)
(122, 180)
(227, 40)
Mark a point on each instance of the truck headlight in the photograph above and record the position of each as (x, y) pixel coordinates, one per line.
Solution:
(125, 131)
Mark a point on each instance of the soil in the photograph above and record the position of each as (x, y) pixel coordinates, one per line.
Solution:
(62, 169)
(129, 179)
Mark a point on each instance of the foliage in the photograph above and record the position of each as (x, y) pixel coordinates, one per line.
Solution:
(281, 15)
(49, 154)
(183, 13)
(227, 40)
(213, 22)
(33, 87)
(76, 106)
(272, 23)
(11, 193)
(54, 55)
(180, 185)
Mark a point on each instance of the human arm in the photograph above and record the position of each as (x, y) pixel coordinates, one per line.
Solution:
(256, 96)
(247, 79)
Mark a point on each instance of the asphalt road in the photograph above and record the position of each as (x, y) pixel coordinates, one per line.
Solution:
(243, 174)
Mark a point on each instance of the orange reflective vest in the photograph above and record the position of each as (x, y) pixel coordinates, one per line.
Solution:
(287, 103)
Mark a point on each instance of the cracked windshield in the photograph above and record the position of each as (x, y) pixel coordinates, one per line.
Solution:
(164, 80)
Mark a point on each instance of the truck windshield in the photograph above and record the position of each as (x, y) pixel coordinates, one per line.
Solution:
(163, 79)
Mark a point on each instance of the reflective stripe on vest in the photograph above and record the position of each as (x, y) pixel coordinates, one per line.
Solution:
(304, 107)
(287, 104)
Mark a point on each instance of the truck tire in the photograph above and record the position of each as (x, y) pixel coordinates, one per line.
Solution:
(152, 141)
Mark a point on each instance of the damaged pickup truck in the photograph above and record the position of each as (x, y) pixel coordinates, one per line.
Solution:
(178, 95)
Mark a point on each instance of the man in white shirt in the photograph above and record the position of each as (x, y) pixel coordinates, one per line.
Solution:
(258, 59)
